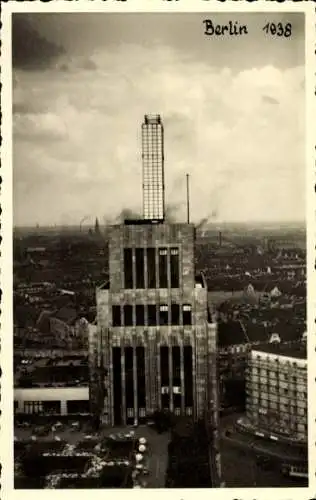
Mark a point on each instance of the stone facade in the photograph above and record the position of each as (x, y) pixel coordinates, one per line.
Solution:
(199, 333)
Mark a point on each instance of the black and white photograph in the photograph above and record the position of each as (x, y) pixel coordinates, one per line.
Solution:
(159, 242)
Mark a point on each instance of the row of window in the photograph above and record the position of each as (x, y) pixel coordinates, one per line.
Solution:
(281, 387)
(274, 394)
(275, 406)
(151, 315)
(280, 425)
(280, 376)
(142, 412)
(54, 407)
(276, 399)
(131, 412)
(129, 374)
(270, 362)
(267, 388)
(167, 275)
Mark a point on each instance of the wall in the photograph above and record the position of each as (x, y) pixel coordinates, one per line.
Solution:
(143, 236)
(277, 395)
(152, 337)
(52, 394)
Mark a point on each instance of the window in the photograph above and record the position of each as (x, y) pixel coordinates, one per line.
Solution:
(117, 384)
(187, 314)
(128, 268)
(163, 315)
(142, 412)
(151, 268)
(175, 314)
(140, 315)
(141, 377)
(188, 377)
(152, 319)
(77, 406)
(116, 315)
(130, 412)
(128, 315)
(164, 374)
(176, 366)
(51, 407)
(16, 405)
(34, 406)
(164, 366)
(163, 276)
(129, 376)
(140, 278)
(174, 267)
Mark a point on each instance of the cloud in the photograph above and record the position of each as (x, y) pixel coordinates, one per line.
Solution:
(38, 126)
(29, 49)
(70, 64)
(246, 159)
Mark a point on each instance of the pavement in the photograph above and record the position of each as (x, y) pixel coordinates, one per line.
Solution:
(274, 449)
(239, 464)
(155, 458)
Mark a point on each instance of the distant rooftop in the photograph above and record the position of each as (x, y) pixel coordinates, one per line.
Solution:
(231, 333)
(66, 314)
(291, 349)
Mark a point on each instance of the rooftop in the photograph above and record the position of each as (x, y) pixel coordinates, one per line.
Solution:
(289, 349)
(66, 314)
(231, 333)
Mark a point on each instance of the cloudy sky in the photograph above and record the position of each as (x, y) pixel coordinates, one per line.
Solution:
(233, 111)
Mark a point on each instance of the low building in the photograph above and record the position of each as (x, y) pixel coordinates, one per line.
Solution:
(52, 386)
(276, 386)
(51, 400)
(67, 325)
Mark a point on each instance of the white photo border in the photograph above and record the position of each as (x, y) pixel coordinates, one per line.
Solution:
(153, 6)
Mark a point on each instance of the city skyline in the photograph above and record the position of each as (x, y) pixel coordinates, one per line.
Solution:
(82, 84)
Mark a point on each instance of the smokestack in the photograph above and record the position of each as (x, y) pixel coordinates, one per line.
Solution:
(153, 169)
(188, 200)
(220, 238)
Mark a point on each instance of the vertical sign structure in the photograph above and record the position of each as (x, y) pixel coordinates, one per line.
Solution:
(153, 169)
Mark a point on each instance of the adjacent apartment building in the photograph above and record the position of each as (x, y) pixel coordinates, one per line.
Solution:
(276, 384)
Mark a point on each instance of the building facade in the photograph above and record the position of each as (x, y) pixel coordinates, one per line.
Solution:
(51, 400)
(154, 346)
(276, 385)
